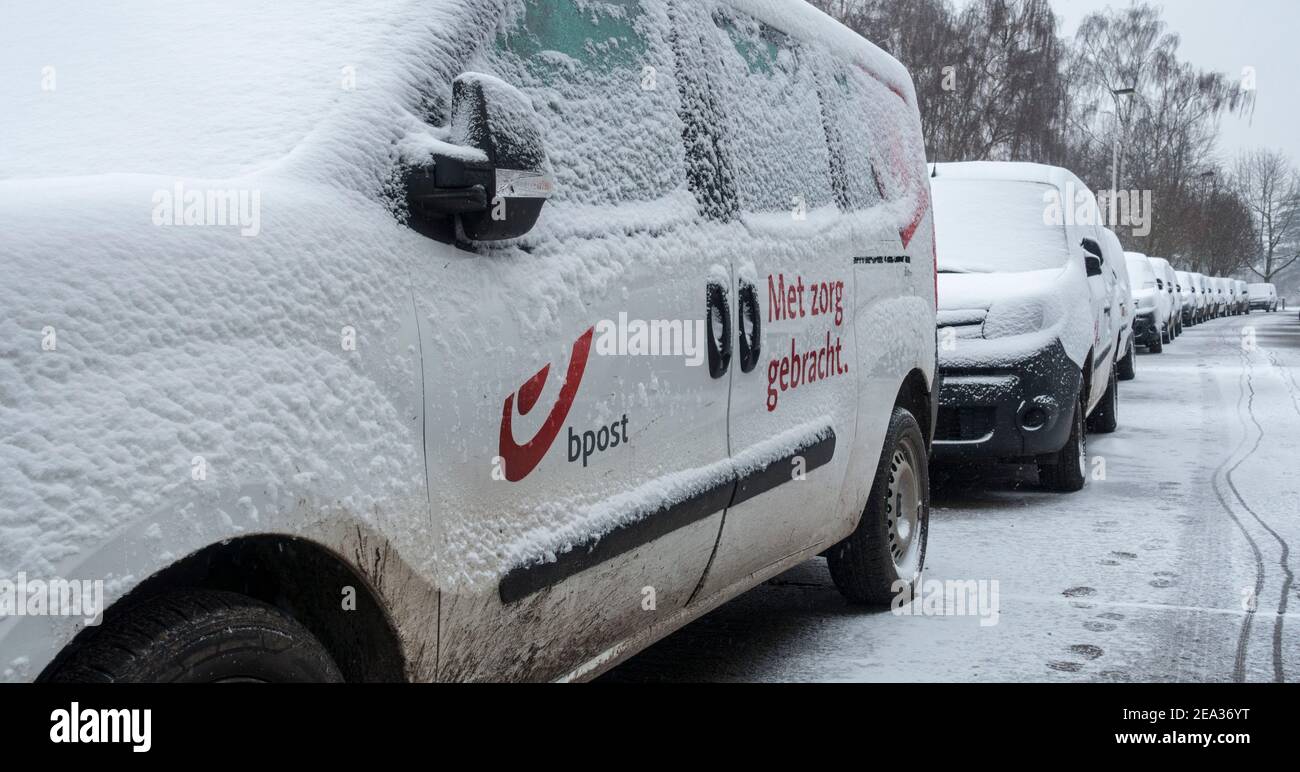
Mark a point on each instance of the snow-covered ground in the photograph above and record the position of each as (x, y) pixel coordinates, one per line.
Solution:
(1144, 576)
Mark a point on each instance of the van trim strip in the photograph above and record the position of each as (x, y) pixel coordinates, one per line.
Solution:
(525, 581)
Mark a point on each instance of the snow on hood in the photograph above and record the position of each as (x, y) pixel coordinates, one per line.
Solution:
(1026, 312)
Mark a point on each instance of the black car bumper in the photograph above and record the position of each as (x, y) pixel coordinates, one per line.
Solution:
(1145, 331)
(1019, 410)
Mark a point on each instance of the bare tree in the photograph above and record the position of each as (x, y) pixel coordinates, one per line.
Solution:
(1270, 186)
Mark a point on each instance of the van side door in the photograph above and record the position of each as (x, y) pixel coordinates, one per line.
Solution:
(577, 431)
(793, 408)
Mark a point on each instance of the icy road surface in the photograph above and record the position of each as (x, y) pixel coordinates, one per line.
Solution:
(1146, 575)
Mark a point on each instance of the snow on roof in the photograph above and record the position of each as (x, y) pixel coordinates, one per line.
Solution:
(1012, 171)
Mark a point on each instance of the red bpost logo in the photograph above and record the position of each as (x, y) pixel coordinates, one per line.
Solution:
(521, 460)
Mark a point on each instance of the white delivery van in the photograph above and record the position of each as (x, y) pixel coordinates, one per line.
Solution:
(1241, 296)
(1263, 297)
(457, 340)
(1187, 297)
(1123, 310)
(1024, 300)
(1169, 279)
(1152, 301)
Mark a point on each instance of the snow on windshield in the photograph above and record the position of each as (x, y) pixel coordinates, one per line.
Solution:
(184, 88)
(996, 226)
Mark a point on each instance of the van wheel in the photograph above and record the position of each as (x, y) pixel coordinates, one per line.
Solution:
(200, 636)
(1105, 419)
(1068, 471)
(884, 557)
(1158, 347)
(1128, 365)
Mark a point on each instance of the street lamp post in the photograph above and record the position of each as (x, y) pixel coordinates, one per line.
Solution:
(1123, 130)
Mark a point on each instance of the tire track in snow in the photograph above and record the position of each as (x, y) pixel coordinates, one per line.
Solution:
(1279, 674)
(1243, 639)
(1247, 395)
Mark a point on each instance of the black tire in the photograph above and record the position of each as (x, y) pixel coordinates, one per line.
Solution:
(1157, 348)
(198, 636)
(1067, 472)
(1166, 336)
(864, 565)
(1105, 419)
(1128, 365)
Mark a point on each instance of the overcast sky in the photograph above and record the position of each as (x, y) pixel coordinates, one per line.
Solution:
(1227, 35)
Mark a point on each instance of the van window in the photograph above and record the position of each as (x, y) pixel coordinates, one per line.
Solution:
(996, 226)
(780, 158)
(602, 79)
(853, 126)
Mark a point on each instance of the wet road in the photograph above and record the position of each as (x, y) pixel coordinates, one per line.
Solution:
(1177, 564)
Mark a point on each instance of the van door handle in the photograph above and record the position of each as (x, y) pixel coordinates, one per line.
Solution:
(718, 323)
(751, 328)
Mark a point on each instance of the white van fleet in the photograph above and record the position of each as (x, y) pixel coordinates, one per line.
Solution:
(560, 325)
(1027, 351)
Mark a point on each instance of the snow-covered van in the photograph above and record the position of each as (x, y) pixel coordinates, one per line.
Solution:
(1026, 354)
(451, 340)
(1226, 285)
(1187, 297)
(1217, 300)
(1214, 296)
(1201, 292)
(1263, 297)
(1241, 296)
(1122, 309)
(1169, 280)
(1152, 301)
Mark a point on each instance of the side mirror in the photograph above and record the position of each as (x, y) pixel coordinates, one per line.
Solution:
(1160, 284)
(1092, 260)
(497, 189)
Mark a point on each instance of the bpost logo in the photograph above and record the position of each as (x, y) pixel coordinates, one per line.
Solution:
(519, 460)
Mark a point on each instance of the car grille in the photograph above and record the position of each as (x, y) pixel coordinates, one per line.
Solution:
(964, 424)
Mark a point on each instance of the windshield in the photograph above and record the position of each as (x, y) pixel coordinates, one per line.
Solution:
(996, 226)
(178, 88)
(1141, 273)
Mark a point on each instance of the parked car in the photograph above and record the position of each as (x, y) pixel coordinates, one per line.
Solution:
(1187, 297)
(446, 419)
(1221, 299)
(1122, 308)
(1263, 297)
(1024, 290)
(1242, 294)
(1169, 280)
(1197, 296)
(1203, 304)
(1152, 301)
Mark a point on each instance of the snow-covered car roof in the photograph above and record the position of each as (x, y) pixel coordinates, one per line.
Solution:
(1008, 171)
